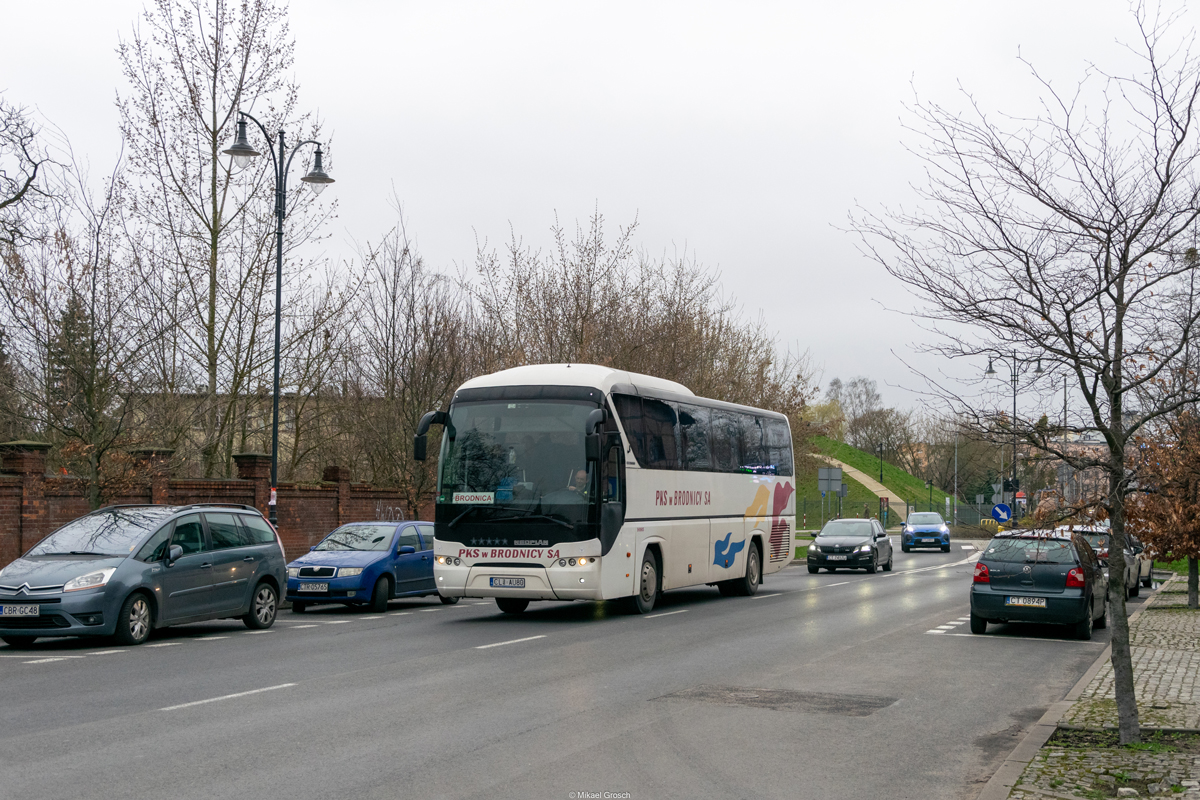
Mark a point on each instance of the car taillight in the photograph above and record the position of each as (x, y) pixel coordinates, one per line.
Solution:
(1103, 553)
(981, 574)
(1075, 578)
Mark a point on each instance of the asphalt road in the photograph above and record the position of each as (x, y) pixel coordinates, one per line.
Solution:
(823, 686)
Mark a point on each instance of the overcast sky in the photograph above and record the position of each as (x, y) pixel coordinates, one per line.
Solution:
(743, 132)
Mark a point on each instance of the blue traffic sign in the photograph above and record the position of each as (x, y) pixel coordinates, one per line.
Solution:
(1001, 513)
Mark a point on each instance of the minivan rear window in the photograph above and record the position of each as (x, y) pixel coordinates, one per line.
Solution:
(1030, 551)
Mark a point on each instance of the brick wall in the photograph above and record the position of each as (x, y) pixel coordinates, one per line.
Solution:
(33, 504)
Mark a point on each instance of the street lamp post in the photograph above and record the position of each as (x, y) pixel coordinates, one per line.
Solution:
(929, 486)
(1013, 375)
(317, 180)
(880, 449)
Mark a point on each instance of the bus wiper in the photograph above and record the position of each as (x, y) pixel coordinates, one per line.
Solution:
(555, 520)
(458, 519)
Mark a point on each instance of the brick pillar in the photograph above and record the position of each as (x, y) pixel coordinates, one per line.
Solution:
(157, 461)
(340, 476)
(256, 467)
(28, 459)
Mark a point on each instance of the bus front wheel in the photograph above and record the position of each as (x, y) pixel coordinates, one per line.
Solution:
(647, 594)
(512, 605)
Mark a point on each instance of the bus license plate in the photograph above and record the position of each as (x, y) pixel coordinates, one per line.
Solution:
(314, 587)
(836, 558)
(19, 611)
(509, 583)
(1033, 602)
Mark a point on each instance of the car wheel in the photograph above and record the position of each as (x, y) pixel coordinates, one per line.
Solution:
(813, 570)
(299, 607)
(945, 548)
(134, 620)
(978, 624)
(647, 588)
(871, 567)
(449, 601)
(888, 566)
(262, 608)
(748, 585)
(1083, 628)
(512, 605)
(1135, 588)
(904, 548)
(379, 595)
(19, 642)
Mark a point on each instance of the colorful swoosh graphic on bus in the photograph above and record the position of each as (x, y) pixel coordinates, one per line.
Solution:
(724, 551)
(765, 506)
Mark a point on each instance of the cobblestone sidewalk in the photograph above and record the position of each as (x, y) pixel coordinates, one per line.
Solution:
(1165, 640)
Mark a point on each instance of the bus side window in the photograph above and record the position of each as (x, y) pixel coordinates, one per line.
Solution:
(629, 409)
(658, 419)
(693, 437)
(779, 445)
(756, 459)
(725, 439)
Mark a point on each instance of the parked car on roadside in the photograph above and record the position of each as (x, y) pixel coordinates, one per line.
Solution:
(124, 570)
(1100, 538)
(925, 529)
(851, 544)
(1053, 577)
(366, 563)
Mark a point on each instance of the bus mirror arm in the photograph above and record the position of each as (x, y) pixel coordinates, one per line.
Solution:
(419, 441)
(591, 439)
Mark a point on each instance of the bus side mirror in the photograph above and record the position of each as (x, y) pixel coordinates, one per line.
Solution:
(591, 446)
(431, 418)
(419, 448)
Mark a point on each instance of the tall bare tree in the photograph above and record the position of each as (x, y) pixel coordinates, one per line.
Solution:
(1061, 237)
(22, 172)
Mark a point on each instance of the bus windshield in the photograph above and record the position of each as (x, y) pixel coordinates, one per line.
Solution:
(525, 455)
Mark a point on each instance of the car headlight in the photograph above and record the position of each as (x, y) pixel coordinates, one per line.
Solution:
(863, 548)
(349, 572)
(93, 580)
(293, 572)
(945, 529)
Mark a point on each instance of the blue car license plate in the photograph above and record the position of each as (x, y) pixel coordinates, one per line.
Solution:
(314, 587)
(1032, 602)
(18, 611)
(508, 583)
(928, 541)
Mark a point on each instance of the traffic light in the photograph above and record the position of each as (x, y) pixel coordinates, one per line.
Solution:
(1012, 484)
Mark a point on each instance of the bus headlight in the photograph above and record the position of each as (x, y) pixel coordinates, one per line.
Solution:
(449, 561)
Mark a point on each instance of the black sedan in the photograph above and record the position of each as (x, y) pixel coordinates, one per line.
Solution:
(851, 544)
(1054, 577)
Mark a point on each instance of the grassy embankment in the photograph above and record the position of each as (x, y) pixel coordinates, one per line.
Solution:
(907, 487)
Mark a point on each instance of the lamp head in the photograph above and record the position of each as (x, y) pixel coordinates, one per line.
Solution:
(1038, 371)
(316, 179)
(991, 373)
(241, 150)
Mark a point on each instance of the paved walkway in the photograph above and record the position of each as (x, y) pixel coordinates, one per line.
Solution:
(1165, 642)
(896, 506)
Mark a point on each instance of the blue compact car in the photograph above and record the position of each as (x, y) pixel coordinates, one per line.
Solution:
(366, 563)
(925, 529)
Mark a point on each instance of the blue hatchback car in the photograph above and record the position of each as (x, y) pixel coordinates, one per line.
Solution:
(925, 529)
(366, 563)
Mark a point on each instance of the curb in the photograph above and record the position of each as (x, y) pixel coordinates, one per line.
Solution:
(1005, 777)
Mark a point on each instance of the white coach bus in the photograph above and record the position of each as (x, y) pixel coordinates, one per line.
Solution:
(579, 482)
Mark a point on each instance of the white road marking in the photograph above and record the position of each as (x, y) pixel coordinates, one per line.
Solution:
(363, 619)
(338, 621)
(105, 652)
(843, 583)
(946, 627)
(163, 644)
(967, 546)
(399, 613)
(510, 641)
(226, 697)
(935, 630)
(298, 627)
(254, 633)
(46, 660)
(666, 614)
(985, 637)
(429, 609)
(481, 604)
(210, 638)
(762, 596)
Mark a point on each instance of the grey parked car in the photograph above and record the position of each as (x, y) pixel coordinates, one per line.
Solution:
(125, 570)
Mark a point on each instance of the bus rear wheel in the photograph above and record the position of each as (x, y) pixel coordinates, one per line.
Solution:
(748, 585)
(512, 605)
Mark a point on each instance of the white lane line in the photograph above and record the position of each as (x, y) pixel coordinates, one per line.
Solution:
(764, 596)
(163, 644)
(429, 609)
(843, 583)
(364, 619)
(226, 697)
(209, 638)
(967, 546)
(298, 627)
(47, 660)
(964, 619)
(945, 627)
(104, 652)
(254, 633)
(481, 604)
(956, 623)
(399, 613)
(935, 630)
(510, 641)
(338, 621)
(666, 614)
